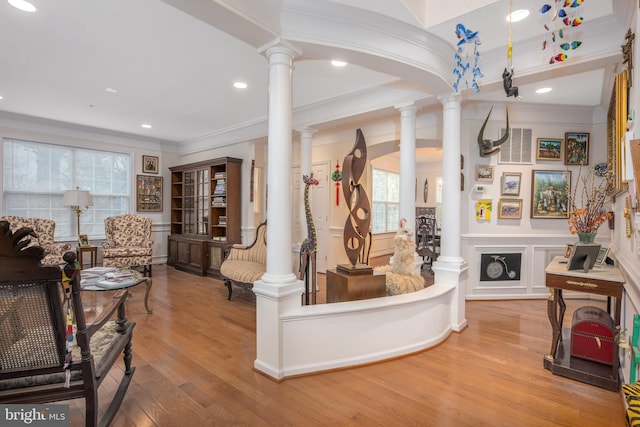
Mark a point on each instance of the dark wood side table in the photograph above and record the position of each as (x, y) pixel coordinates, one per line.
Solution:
(93, 251)
(606, 281)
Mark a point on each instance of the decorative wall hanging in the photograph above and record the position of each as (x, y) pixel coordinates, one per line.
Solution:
(149, 193)
(510, 208)
(500, 267)
(510, 183)
(549, 149)
(251, 184)
(149, 164)
(483, 210)
(484, 173)
(507, 74)
(550, 194)
(462, 57)
(336, 176)
(576, 148)
(560, 21)
(487, 146)
(627, 55)
(426, 190)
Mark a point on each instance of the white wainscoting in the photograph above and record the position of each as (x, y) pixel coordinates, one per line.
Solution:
(537, 251)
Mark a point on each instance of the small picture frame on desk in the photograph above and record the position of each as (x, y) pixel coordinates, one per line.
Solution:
(83, 240)
(602, 256)
(568, 250)
(584, 256)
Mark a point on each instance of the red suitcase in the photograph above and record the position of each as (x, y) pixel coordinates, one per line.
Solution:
(592, 335)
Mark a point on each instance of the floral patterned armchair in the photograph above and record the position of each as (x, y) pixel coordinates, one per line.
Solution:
(45, 229)
(128, 242)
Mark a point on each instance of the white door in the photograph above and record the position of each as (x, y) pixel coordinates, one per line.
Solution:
(320, 199)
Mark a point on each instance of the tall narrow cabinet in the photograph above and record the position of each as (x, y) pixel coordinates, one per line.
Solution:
(205, 214)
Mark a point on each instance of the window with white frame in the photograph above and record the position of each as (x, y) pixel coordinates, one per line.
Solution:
(385, 201)
(36, 175)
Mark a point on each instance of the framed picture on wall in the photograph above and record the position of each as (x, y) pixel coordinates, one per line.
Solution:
(510, 208)
(149, 164)
(550, 194)
(549, 149)
(576, 148)
(510, 184)
(149, 193)
(484, 173)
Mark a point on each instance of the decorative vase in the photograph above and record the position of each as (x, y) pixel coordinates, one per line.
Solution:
(586, 237)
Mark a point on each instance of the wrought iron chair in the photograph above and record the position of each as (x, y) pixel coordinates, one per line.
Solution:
(427, 240)
(38, 362)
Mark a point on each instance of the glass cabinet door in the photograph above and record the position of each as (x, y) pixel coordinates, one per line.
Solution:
(196, 202)
(202, 202)
(188, 200)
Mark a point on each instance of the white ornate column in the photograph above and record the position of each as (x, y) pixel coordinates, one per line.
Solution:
(279, 289)
(408, 163)
(407, 209)
(450, 266)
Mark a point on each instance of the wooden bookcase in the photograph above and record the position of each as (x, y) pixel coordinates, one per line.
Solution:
(205, 214)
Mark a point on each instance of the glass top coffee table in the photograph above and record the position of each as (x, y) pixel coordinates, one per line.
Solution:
(110, 279)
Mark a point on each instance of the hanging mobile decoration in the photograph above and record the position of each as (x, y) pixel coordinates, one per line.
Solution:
(560, 19)
(507, 74)
(337, 177)
(463, 62)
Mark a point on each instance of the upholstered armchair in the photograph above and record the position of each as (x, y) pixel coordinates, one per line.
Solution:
(246, 264)
(128, 242)
(44, 229)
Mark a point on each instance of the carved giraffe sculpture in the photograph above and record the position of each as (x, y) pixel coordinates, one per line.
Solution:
(309, 246)
(487, 146)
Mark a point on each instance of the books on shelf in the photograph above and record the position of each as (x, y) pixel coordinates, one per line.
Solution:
(222, 220)
(219, 238)
(219, 202)
(221, 187)
(219, 175)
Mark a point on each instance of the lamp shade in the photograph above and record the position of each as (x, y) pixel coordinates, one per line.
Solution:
(77, 198)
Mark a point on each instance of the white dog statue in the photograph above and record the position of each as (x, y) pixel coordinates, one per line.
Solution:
(401, 274)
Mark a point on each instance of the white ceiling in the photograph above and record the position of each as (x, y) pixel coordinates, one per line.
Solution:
(175, 71)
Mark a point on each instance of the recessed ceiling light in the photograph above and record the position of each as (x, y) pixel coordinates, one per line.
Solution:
(517, 15)
(338, 63)
(111, 90)
(146, 126)
(1, 97)
(22, 5)
(544, 90)
(240, 85)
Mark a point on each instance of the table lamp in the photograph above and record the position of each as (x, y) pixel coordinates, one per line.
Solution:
(76, 199)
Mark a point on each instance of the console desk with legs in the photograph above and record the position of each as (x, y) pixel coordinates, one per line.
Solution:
(606, 281)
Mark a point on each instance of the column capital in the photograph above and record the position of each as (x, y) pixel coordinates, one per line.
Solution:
(406, 108)
(450, 100)
(279, 45)
(306, 131)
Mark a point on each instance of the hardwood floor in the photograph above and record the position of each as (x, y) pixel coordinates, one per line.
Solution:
(194, 357)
